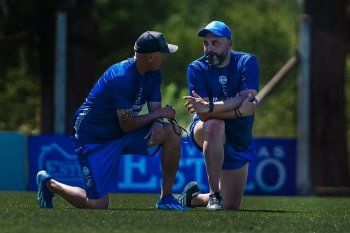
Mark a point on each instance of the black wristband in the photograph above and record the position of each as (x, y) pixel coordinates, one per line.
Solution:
(211, 106)
(237, 113)
(235, 116)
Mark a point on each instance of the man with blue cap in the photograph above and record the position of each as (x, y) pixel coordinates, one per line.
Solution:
(222, 86)
(108, 125)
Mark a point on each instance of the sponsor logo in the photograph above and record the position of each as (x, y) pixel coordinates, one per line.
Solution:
(59, 163)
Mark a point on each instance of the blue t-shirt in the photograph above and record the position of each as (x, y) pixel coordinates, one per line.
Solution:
(120, 87)
(220, 83)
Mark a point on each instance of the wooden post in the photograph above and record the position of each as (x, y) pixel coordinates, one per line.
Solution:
(303, 150)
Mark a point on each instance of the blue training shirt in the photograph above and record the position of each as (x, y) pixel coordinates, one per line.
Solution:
(220, 83)
(120, 87)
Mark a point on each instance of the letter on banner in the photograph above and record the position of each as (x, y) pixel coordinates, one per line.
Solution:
(130, 169)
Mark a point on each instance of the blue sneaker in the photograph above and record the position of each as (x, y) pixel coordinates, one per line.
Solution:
(169, 202)
(44, 196)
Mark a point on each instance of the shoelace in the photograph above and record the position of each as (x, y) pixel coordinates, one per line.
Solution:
(174, 123)
(215, 199)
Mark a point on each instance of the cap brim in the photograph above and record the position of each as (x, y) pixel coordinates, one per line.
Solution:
(204, 31)
(172, 48)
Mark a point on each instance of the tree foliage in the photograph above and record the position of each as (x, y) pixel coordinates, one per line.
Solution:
(265, 28)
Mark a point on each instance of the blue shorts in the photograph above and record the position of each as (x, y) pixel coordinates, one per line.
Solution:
(100, 162)
(233, 159)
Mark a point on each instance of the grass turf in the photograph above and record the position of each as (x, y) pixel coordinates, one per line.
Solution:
(137, 213)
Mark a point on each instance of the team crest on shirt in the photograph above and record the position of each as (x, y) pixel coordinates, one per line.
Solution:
(86, 171)
(223, 80)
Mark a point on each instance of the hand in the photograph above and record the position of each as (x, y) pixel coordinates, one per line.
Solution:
(196, 103)
(155, 134)
(248, 105)
(167, 112)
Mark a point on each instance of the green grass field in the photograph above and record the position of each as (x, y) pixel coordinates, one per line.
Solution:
(137, 213)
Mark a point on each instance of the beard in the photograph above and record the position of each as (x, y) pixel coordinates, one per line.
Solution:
(216, 59)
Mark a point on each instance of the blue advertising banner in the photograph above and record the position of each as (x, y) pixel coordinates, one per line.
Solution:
(55, 154)
(13, 161)
(271, 173)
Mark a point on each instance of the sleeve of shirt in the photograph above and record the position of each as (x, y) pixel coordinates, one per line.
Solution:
(155, 94)
(250, 73)
(196, 82)
(122, 94)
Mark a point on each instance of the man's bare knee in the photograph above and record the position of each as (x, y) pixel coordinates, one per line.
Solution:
(170, 134)
(214, 128)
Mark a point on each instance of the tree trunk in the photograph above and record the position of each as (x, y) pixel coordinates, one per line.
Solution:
(46, 32)
(328, 148)
(82, 58)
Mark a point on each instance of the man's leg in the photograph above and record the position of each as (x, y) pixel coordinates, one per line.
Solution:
(232, 186)
(210, 135)
(76, 196)
(213, 151)
(100, 168)
(200, 201)
(232, 182)
(171, 149)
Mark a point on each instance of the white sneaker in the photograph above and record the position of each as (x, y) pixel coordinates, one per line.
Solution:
(215, 202)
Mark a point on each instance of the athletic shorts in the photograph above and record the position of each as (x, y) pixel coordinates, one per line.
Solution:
(233, 159)
(100, 162)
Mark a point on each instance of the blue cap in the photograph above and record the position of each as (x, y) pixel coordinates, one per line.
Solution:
(218, 28)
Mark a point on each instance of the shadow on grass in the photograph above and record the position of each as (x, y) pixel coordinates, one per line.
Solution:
(203, 210)
(268, 211)
(133, 209)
